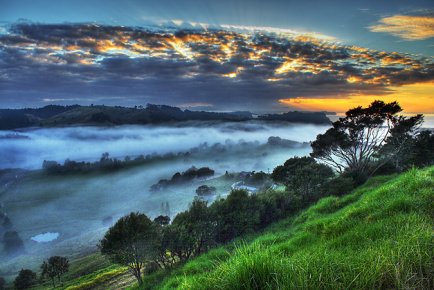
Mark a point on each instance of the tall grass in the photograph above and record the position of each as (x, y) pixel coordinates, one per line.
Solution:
(378, 237)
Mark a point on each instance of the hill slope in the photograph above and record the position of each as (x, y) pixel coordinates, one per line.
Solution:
(380, 236)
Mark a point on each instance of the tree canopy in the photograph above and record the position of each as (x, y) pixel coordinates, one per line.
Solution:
(354, 142)
(303, 176)
(26, 279)
(54, 267)
(132, 241)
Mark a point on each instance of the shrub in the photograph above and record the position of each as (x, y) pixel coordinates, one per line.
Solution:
(26, 279)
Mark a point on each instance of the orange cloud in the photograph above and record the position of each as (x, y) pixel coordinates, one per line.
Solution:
(406, 27)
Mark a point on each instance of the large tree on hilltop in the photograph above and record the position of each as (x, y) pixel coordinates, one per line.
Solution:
(354, 142)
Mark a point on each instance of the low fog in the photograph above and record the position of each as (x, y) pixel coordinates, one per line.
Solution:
(88, 143)
(76, 209)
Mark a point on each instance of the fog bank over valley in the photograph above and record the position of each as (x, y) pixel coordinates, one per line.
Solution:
(31, 147)
(66, 214)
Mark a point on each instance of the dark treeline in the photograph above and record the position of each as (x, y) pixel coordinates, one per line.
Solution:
(109, 164)
(19, 118)
(298, 117)
(106, 163)
(356, 147)
(54, 115)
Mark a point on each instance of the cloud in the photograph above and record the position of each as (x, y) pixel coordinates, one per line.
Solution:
(89, 63)
(406, 27)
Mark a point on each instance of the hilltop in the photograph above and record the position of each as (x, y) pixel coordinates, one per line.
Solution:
(57, 116)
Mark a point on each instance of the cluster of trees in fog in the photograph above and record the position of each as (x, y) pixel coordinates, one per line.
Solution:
(105, 164)
(366, 141)
(110, 164)
(186, 176)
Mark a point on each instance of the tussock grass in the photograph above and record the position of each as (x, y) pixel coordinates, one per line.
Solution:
(378, 237)
(97, 278)
(86, 273)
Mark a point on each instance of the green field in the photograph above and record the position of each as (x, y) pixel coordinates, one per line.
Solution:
(380, 236)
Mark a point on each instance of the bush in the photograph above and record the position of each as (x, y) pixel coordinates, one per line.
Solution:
(338, 186)
(26, 279)
(304, 176)
(236, 215)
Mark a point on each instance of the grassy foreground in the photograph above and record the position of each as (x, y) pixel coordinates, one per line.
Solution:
(380, 236)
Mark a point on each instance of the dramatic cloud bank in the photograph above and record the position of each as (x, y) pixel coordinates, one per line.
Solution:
(212, 68)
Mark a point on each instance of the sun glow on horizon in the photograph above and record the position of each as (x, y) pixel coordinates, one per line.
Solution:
(413, 98)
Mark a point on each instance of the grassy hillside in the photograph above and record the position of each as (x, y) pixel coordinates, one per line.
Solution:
(380, 236)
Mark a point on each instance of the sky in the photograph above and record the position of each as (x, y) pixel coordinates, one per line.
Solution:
(218, 55)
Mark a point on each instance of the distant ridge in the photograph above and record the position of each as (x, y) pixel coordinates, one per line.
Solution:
(57, 116)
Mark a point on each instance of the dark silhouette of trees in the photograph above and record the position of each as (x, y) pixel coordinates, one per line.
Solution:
(54, 267)
(132, 242)
(184, 177)
(421, 153)
(354, 142)
(162, 220)
(26, 279)
(205, 190)
(190, 233)
(236, 215)
(417, 150)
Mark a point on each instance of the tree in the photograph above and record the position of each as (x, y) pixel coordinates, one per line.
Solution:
(166, 253)
(400, 144)
(304, 176)
(132, 241)
(354, 142)
(422, 153)
(236, 215)
(26, 279)
(162, 220)
(191, 232)
(418, 151)
(48, 271)
(54, 267)
(338, 186)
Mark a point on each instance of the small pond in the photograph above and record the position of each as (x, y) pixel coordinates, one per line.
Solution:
(45, 237)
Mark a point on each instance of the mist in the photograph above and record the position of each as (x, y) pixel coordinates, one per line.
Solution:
(77, 209)
(88, 143)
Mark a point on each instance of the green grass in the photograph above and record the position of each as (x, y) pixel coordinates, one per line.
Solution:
(378, 237)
